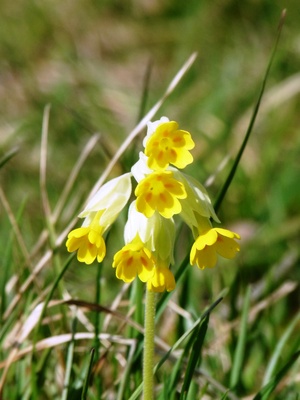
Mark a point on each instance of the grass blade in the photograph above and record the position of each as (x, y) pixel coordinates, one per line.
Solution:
(10, 154)
(238, 157)
(279, 348)
(70, 356)
(241, 344)
(42, 312)
(87, 378)
(195, 358)
(265, 392)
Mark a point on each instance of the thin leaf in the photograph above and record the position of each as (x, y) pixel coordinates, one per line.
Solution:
(70, 355)
(87, 378)
(175, 375)
(241, 344)
(195, 357)
(265, 392)
(50, 294)
(181, 362)
(145, 92)
(7, 156)
(279, 349)
(238, 157)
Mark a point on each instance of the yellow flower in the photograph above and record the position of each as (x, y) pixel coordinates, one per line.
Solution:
(213, 242)
(149, 245)
(161, 280)
(134, 259)
(160, 192)
(88, 241)
(168, 145)
(100, 212)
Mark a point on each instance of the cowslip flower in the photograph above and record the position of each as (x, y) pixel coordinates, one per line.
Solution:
(99, 214)
(148, 250)
(134, 259)
(166, 144)
(88, 240)
(161, 280)
(214, 242)
(159, 191)
(211, 242)
(163, 192)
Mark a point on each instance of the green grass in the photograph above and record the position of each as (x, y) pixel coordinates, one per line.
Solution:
(70, 331)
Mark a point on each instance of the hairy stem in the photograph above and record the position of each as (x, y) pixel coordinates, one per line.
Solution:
(149, 345)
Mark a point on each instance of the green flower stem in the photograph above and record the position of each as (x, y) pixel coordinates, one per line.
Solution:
(149, 345)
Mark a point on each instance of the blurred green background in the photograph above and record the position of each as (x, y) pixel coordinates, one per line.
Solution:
(88, 59)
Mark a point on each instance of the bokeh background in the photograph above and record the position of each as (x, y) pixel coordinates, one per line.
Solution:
(89, 59)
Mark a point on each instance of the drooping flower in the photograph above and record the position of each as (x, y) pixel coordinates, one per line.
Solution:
(159, 191)
(88, 240)
(210, 244)
(149, 244)
(161, 280)
(166, 144)
(99, 214)
(134, 259)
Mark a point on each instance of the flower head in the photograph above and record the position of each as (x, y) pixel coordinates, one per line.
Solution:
(160, 192)
(211, 243)
(168, 145)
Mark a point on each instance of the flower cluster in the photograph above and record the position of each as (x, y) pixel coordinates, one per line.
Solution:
(162, 192)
